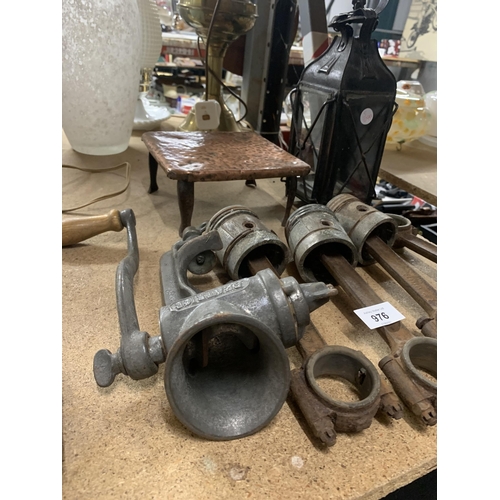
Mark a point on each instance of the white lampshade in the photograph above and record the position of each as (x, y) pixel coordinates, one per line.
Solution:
(151, 33)
(101, 56)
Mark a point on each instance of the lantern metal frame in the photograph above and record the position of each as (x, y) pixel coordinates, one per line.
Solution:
(347, 80)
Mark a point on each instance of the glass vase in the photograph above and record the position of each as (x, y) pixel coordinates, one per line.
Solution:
(101, 55)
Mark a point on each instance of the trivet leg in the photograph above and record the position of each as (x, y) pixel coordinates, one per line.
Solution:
(153, 169)
(185, 195)
(291, 191)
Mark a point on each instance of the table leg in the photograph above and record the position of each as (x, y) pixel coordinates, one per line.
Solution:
(153, 169)
(185, 195)
(291, 191)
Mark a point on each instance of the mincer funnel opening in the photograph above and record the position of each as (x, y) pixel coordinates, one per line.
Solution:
(227, 379)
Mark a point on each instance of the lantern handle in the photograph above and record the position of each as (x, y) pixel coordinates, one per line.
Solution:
(359, 4)
(358, 15)
(382, 4)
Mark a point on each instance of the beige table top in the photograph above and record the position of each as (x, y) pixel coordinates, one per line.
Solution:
(125, 442)
(413, 168)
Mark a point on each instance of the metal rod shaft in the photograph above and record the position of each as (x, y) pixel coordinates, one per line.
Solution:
(395, 335)
(312, 341)
(420, 246)
(257, 264)
(419, 289)
(363, 296)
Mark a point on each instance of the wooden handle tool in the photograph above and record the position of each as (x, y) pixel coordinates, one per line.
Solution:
(77, 229)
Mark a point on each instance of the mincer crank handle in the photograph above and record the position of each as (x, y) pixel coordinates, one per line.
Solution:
(77, 229)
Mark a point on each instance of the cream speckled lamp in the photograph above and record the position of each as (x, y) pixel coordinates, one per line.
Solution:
(148, 116)
(151, 40)
(101, 56)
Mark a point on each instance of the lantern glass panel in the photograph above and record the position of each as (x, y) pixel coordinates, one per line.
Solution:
(344, 103)
(311, 131)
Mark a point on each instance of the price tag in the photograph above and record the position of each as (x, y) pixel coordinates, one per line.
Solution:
(379, 315)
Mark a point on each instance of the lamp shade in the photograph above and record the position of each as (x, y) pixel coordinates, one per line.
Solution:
(411, 120)
(101, 44)
(151, 33)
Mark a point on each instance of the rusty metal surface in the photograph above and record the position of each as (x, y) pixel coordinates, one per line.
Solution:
(362, 295)
(324, 415)
(404, 371)
(428, 327)
(373, 234)
(221, 156)
(312, 341)
(360, 221)
(406, 237)
(420, 246)
(407, 374)
(420, 290)
(409, 383)
(245, 238)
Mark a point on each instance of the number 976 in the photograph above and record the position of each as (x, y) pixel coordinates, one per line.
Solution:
(379, 316)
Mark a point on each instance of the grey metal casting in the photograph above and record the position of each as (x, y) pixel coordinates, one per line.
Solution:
(246, 238)
(139, 354)
(226, 370)
(227, 373)
(312, 229)
(313, 225)
(361, 221)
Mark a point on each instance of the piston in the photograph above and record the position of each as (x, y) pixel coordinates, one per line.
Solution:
(408, 379)
(313, 230)
(325, 415)
(373, 233)
(244, 238)
(360, 221)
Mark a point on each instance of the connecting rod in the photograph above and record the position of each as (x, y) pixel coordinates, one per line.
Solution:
(373, 233)
(324, 415)
(412, 358)
(406, 237)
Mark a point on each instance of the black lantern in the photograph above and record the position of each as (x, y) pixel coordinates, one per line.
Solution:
(342, 111)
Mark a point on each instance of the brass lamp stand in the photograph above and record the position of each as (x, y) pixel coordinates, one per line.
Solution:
(233, 19)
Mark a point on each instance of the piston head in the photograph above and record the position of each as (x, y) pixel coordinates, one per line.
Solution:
(246, 238)
(313, 230)
(361, 221)
(227, 375)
